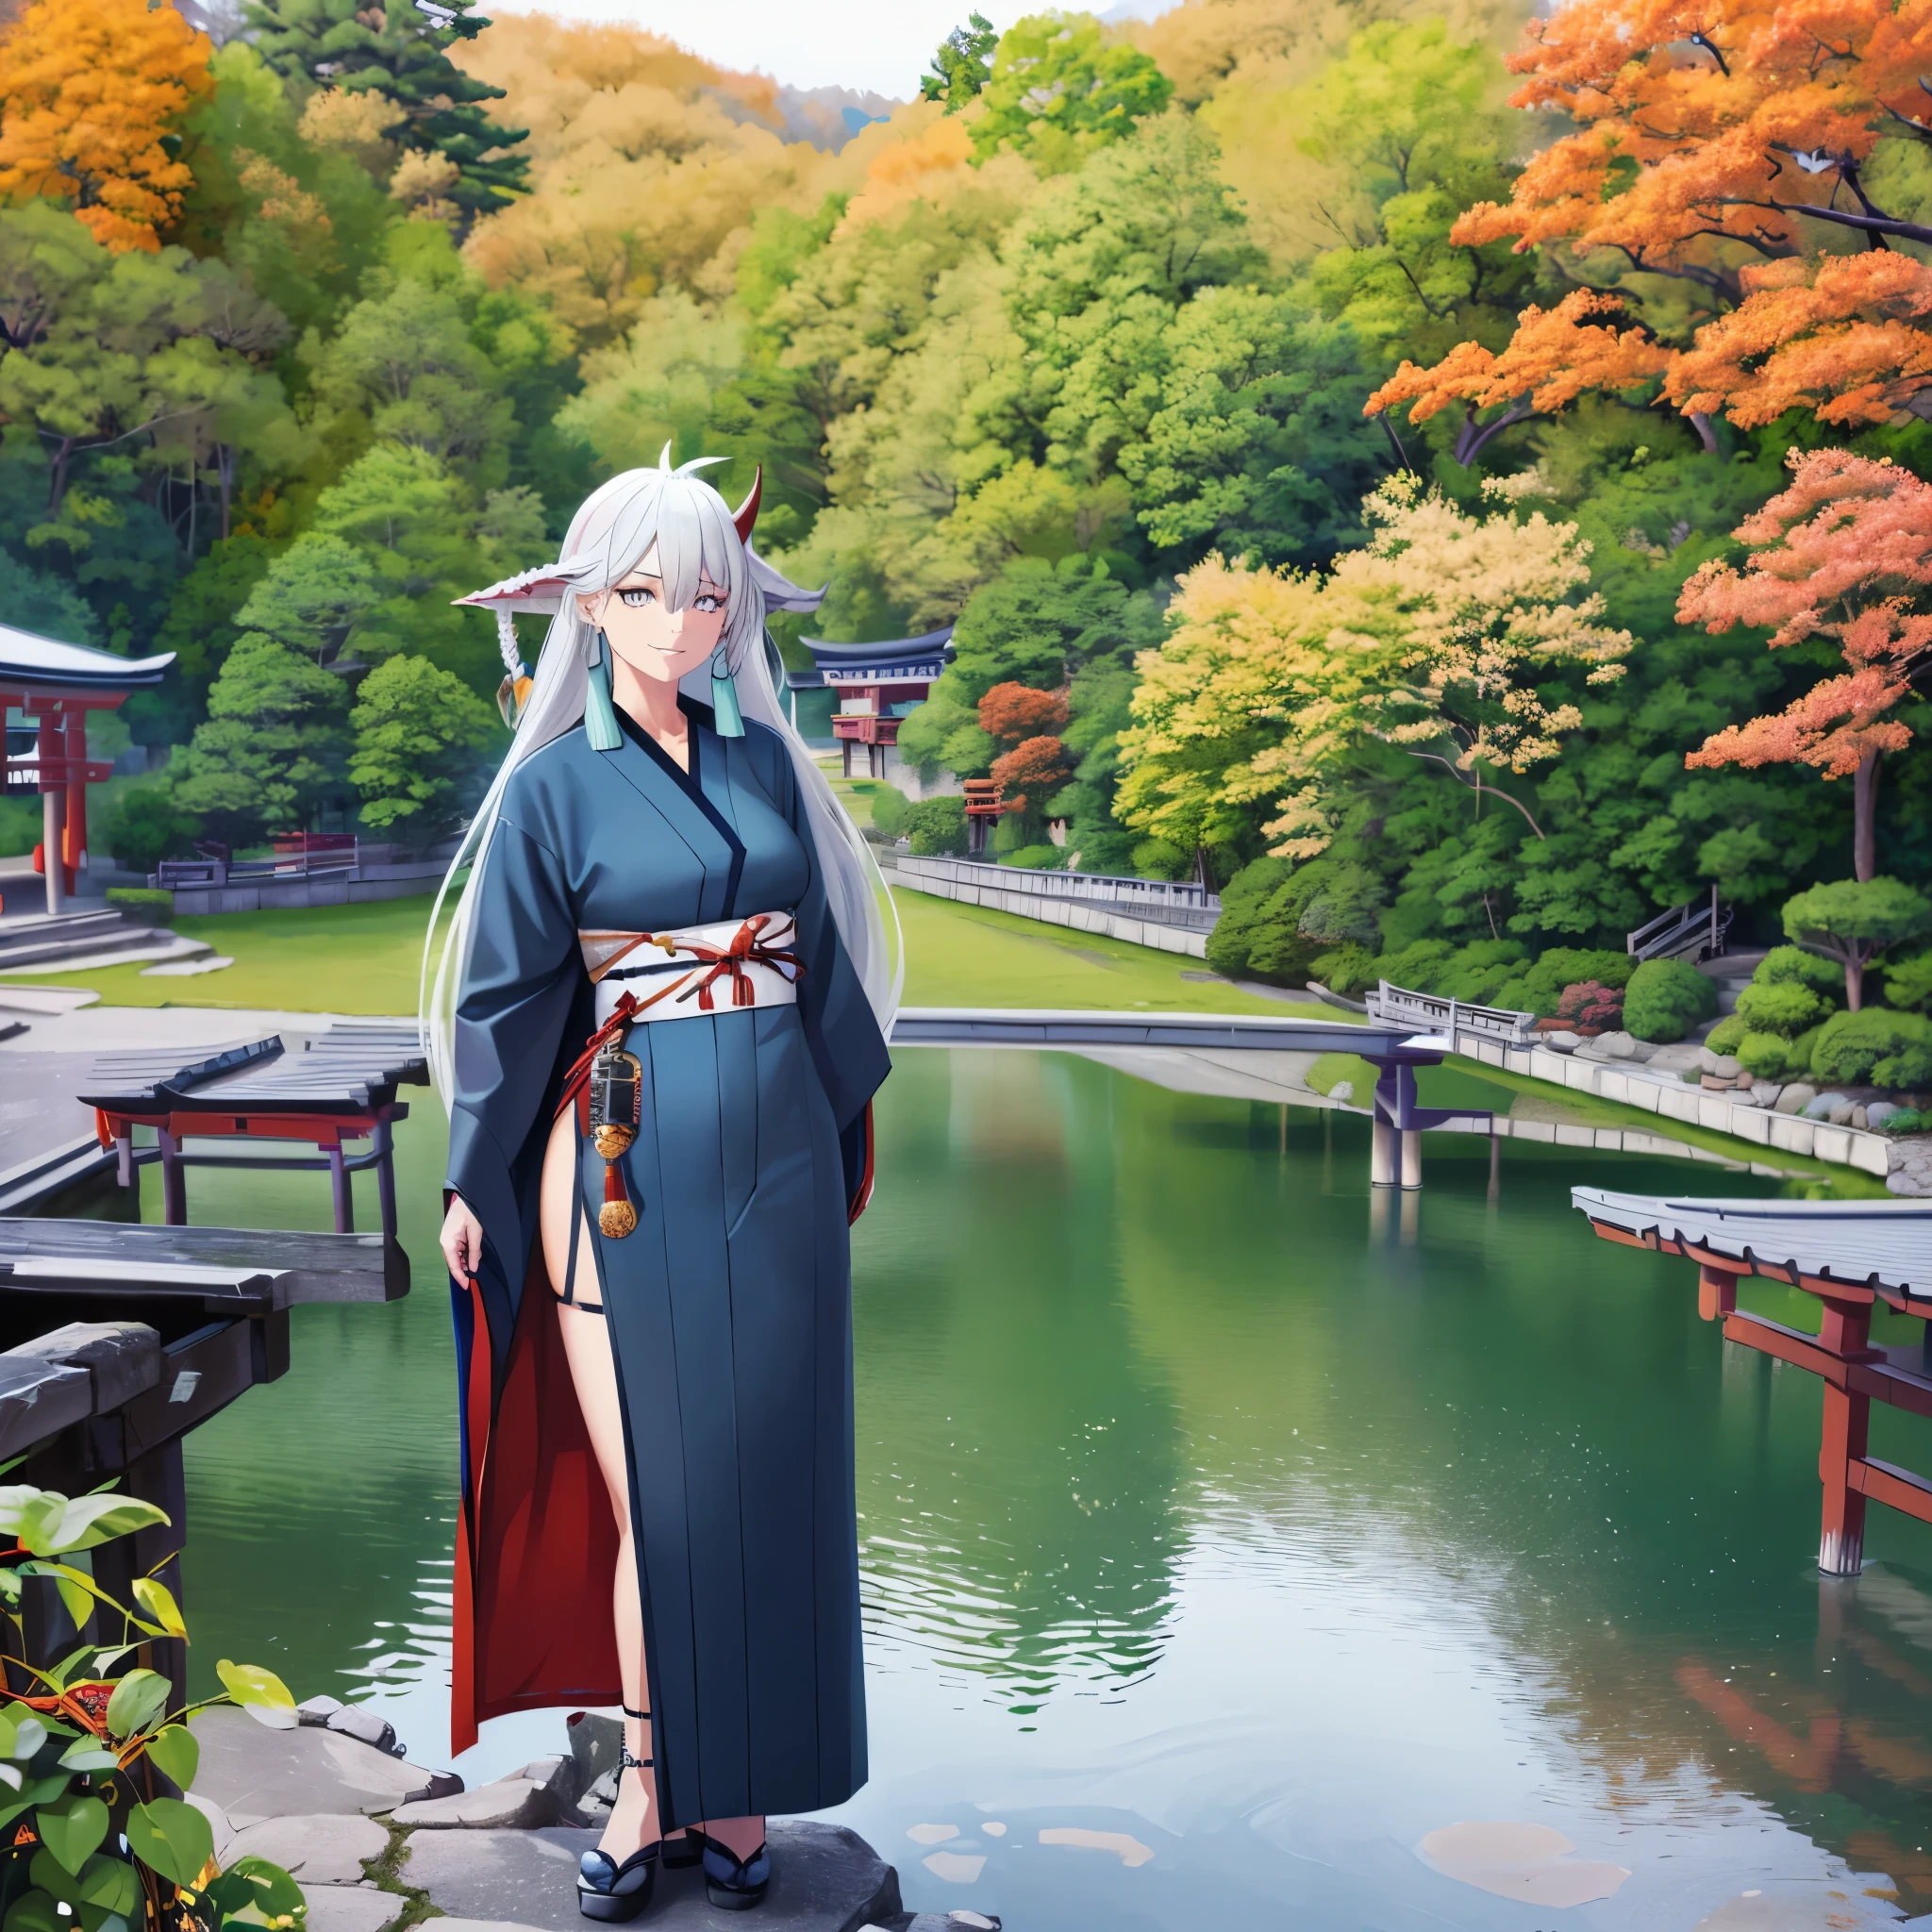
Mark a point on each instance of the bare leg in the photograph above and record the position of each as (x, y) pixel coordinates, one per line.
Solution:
(635, 1819)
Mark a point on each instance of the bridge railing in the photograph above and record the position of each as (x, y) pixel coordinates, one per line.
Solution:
(1398, 1005)
(1071, 885)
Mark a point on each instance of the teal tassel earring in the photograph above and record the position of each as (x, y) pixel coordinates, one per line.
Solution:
(728, 720)
(600, 715)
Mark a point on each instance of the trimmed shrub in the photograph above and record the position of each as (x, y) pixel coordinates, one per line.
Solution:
(147, 826)
(1768, 1056)
(1781, 1006)
(1537, 988)
(1037, 858)
(1666, 998)
(938, 828)
(1347, 969)
(1591, 1004)
(1728, 1035)
(1908, 982)
(151, 905)
(1794, 966)
(1474, 972)
(1244, 921)
(891, 811)
(1875, 1047)
(1419, 966)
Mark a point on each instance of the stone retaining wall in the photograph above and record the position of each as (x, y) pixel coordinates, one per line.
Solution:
(355, 888)
(1081, 915)
(1723, 1113)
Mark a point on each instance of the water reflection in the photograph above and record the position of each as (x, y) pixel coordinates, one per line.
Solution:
(1196, 1521)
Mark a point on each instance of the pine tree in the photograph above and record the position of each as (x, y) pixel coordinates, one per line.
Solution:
(402, 53)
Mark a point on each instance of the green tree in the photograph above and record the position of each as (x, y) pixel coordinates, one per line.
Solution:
(1256, 444)
(157, 358)
(200, 628)
(403, 53)
(403, 369)
(312, 595)
(420, 738)
(1853, 920)
(269, 757)
(1060, 86)
(963, 64)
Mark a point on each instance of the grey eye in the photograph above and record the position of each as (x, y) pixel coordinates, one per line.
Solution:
(707, 604)
(637, 599)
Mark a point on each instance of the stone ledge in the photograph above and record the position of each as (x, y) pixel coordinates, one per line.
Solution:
(825, 1878)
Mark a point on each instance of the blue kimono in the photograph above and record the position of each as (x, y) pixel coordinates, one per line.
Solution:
(729, 1306)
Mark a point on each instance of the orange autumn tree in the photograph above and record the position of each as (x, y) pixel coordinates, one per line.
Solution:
(91, 94)
(1845, 553)
(1028, 722)
(1723, 146)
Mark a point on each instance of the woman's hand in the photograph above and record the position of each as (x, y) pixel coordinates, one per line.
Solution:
(462, 1240)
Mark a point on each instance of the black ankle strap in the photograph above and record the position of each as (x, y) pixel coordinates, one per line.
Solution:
(629, 1763)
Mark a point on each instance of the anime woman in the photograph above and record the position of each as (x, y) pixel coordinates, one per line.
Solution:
(657, 1024)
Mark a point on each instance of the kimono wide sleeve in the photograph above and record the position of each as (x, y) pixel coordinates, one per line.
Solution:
(521, 990)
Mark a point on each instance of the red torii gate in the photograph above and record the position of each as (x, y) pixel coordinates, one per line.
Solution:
(56, 685)
(1852, 1255)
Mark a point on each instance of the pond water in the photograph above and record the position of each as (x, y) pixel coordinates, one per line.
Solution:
(1227, 1533)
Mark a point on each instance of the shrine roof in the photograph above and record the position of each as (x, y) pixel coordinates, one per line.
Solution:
(35, 663)
(1881, 1245)
(907, 660)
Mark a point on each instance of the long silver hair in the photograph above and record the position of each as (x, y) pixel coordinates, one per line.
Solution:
(691, 529)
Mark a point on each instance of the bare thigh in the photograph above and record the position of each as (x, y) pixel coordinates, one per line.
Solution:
(586, 1338)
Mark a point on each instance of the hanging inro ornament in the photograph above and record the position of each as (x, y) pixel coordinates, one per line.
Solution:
(616, 1093)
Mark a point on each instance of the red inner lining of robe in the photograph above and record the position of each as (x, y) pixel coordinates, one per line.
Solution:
(536, 1558)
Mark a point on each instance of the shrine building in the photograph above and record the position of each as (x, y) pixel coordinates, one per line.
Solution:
(47, 689)
(873, 687)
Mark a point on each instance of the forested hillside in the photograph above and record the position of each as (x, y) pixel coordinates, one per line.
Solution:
(1325, 442)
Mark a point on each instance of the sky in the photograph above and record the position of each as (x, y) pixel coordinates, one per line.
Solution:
(879, 44)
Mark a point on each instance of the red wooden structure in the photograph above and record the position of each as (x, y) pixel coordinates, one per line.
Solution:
(341, 1087)
(54, 685)
(1852, 1257)
(985, 801)
(875, 685)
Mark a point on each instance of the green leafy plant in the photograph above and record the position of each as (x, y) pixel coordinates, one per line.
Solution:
(1908, 982)
(151, 905)
(1794, 966)
(1729, 1034)
(1037, 858)
(1666, 998)
(90, 1762)
(1768, 1056)
(891, 811)
(1781, 1006)
(1853, 920)
(938, 828)
(1875, 1047)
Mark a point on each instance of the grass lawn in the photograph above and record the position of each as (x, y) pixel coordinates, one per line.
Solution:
(319, 959)
(365, 958)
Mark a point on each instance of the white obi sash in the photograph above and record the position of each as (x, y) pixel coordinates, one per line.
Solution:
(697, 970)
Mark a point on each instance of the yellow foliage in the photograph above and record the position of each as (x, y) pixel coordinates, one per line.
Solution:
(423, 180)
(283, 198)
(912, 170)
(1439, 632)
(351, 123)
(89, 90)
(644, 162)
